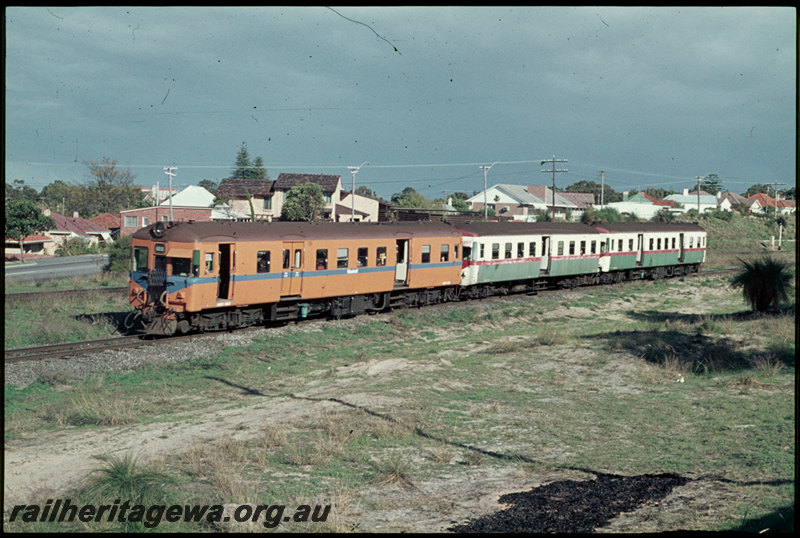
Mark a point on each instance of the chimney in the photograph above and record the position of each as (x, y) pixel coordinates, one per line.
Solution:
(685, 191)
(75, 215)
(46, 212)
(625, 195)
(719, 195)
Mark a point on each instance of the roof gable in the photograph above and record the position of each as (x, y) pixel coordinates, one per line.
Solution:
(75, 225)
(191, 196)
(239, 187)
(328, 183)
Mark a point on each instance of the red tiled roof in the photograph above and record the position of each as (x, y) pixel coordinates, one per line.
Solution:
(33, 238)
(233, 186)
(656, 201)
(580, 199)
(328, 183)
(106, 220)
(75, 225)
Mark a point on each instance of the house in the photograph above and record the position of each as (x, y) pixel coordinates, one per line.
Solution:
(770, 205)
(691, 200)
(360, 208)
(267, 197)
(730, 201)
(641, 205)
(192, 203)
(109, 221)
(36, 244)
(519, 202)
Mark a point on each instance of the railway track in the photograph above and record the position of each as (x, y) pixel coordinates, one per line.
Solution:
(73, 349)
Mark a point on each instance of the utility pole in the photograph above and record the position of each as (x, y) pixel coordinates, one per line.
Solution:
(699, 178)
(774, 188)
(554, 161)
(169, 170)
(602, 186)
(486, 169)
(354, 170)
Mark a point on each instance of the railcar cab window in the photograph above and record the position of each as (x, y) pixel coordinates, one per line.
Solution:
(322, 259)
(181, 266)
(341, 258)
(362, 255)
(380, 256)
(209, 262)
(445, 255)
(263, 261)
(140, 259)
(426, 254)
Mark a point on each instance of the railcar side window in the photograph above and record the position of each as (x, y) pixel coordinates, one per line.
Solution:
(455, 251)
(263, 261)
(322, 259)
(287, 259)
(341, 258)
(673, 242)
(691, 242)
(209, 262)
(658, 244)
(495, 251)
(181, 266)
(426, 254)
(651, 243)
(508, 250)
(445, 254)
(571, 248)
(140, 259)
(593, 247)
(363, 253)
(532, 249)
(560, 248)
(482, 257)
(380, 256)
(583, 248)
(298, 258)
(619, 247)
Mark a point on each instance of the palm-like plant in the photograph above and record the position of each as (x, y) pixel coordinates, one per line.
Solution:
(765, 283)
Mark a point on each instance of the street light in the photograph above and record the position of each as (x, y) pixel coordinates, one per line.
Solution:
(485, 204)
(354, 171)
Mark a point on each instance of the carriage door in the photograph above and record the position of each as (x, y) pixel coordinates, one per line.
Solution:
(292, 281)
(225, 271)
(639, 247)
(680, 247)
(401, 269)
(544, 266)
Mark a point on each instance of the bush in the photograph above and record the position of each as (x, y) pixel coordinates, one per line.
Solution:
(119, 256)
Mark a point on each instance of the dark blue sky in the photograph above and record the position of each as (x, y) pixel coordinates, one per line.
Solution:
(653, 96)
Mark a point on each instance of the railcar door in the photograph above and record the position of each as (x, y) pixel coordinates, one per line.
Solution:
(401, 269)
(680, 248)
(292, 281)
(639, 248)
(544, 267)
(224, 286)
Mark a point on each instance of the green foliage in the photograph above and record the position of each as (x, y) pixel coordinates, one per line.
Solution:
(303, 203)
(410, 198)
(19, 191)
(208, 185)
(119, 256)
(711, 183)
(24, 218)
(663, 216)
(765, 283)
(366, 191)
(75, 246)
(246, 169)
(607, 214)
(109, 190)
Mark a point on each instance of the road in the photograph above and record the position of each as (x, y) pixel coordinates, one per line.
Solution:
(56, 268)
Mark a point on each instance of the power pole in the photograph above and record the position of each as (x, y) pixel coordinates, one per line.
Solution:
(169, 171)
(554, 170)
(602, 186)
(354, 170)
(774, 188)
(486, 169)
(699, 178)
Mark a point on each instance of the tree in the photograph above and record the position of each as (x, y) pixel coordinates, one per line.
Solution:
(303, 203)
(18, 190)
(711, 183)
(658, 194)
(757, 188)
(24, 218)
(765, 283)
(363, 190)
(245, 169)
(594, 188)
(208, 185)
(410, 198)
(111, 190)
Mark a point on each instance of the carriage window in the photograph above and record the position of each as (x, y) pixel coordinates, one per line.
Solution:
(495, 251)
(426, 254)
(445, 256)
(532, 249)
(520, 250)
(673, 242)
(381, 256)
(181, 266)
(298, 258)
(287, 259)
(592, 247)
(691, 242)
(619, 247)
(651, 243)
(508, 250)
(262, 261)
(658, 244)
(455, 252)
(362, 257)
(341, 258)
(482, 252)
(140, 258)
(630, 244)
(571, 247)
(322, 259)
(209, 262)
(560, 248)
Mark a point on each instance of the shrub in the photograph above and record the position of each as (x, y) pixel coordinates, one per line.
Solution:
(119, 256)
(765, 283)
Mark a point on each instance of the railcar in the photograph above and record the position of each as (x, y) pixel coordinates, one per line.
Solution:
(212, 275)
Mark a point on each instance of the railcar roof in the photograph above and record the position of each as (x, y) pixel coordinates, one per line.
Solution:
(276, 231)
(634, 227)
(524, 228)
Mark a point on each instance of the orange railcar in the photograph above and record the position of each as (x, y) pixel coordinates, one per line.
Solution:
(212, 275)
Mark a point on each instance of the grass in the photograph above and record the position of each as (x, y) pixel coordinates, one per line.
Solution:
(104, 280)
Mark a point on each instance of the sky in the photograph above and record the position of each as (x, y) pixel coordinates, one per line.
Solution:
(653, 97)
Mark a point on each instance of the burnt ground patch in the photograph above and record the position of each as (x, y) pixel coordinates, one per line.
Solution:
(573, 506)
